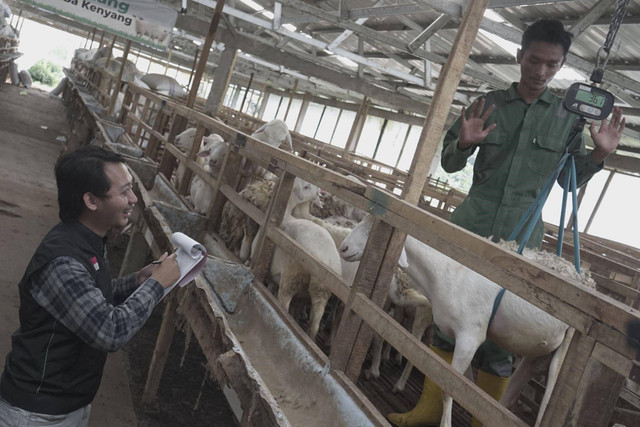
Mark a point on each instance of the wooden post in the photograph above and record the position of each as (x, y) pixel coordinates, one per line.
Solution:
(228, 176)
(293, 92)
(166, 67)
(101, 39)
(263, 102)
(193, 67)
(562, 397)
(116, 89)
(143, 114)
(179, 123)
(85, 40)
(358, 124)
(113, 43)
(597, 395)
(275, 212)
(595, 208)
(125, 119)
(152, 145)
(246, 92)
(303, 112)
(221, 78)
(185, 179)
(122, 116)
(206, 47)
(161, 349)
(350, 353)
(93, 36)
(404, 144)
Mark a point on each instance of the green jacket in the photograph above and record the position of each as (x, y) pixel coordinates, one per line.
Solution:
(513, 162)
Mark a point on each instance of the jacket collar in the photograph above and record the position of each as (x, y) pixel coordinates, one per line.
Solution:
(512, 94)
(95, 241)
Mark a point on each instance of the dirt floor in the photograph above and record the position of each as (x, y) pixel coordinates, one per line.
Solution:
(30, 122)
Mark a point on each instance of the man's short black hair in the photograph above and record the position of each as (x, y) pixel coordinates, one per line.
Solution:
(549, 31)
(80, 172)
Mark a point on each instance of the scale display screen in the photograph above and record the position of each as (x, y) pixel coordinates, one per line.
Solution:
(588, 101)
(591, 98)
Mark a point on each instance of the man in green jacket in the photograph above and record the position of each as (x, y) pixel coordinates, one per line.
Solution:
(520, 137)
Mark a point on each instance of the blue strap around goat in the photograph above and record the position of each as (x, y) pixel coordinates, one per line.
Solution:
(535, 210)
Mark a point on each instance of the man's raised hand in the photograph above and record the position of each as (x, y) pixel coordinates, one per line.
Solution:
(472, 129)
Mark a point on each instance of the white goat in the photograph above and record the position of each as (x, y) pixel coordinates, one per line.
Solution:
(314, 239)
(274, 133)
(213, 152)
(184, 141)
(149, 29)
(462, 302)
(400, 293)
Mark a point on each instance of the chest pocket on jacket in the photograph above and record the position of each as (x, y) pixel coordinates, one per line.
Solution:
(493, 151)
(545, 155)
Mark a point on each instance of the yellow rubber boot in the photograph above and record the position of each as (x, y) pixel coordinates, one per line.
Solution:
(493, 385)
(428, 410)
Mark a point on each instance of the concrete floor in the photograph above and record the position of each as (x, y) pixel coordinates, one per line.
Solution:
(30, 121)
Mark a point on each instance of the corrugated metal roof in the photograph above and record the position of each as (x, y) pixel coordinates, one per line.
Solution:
(386, 27)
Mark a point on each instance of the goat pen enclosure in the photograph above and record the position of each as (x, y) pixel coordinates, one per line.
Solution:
(599, 321)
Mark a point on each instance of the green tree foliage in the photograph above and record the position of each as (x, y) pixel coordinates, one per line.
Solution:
(46, 72)
(459, 180)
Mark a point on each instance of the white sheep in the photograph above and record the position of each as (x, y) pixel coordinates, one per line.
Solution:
(150, 29)
(462, 303)
(274, 133)
(236, 229)
(81, 54)
(213, 152)
(314, 239)
(184, 141)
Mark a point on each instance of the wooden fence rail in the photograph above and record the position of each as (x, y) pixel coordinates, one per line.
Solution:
(600, 322)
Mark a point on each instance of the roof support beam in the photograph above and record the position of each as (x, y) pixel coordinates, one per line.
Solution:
(391, 41)
(346, 33)
(346, 82)
(428, 32)
(316, 43)
(592, 16)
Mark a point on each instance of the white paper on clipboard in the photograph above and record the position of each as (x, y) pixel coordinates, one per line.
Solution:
(191, 257)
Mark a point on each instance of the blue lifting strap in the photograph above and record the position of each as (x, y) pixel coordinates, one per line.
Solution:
(535, 209)
(496, 304)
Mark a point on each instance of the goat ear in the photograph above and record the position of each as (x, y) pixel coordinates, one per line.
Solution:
(204, 153)
(260, 129)
(403, 262)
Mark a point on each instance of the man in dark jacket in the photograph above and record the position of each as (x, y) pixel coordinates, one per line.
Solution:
(71, 312)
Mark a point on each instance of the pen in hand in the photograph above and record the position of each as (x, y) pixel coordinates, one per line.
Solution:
(159, 261)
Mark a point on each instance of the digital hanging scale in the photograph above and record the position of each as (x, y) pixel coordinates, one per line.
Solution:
(588, 101)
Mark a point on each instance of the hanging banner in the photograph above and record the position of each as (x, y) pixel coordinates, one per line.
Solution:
(144, 21)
